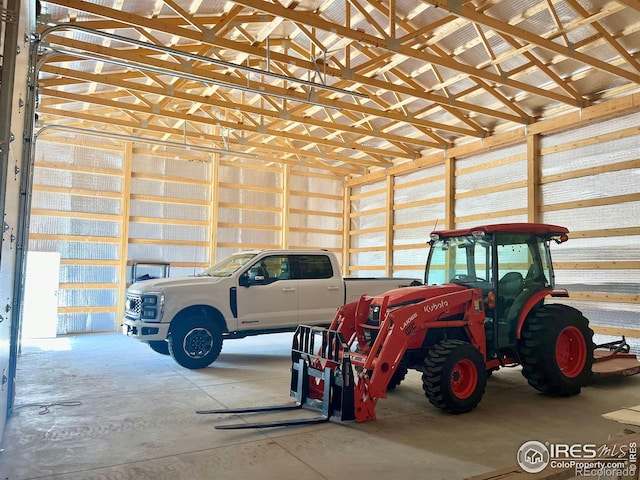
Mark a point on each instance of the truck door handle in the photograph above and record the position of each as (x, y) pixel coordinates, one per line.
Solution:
(288, 289)
(333, 288)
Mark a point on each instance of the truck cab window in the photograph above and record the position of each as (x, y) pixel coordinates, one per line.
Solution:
(273, 268)
(315, 266)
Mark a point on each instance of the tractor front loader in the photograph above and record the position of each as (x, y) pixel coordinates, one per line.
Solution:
(484, 306)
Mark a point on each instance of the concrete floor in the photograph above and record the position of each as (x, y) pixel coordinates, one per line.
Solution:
(121, 411)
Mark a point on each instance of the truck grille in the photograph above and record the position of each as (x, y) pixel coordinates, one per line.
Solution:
(133, 306)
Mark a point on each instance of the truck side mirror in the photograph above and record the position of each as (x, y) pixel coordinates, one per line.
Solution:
(255, 276)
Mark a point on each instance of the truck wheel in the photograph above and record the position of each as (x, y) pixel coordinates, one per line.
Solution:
(556, 350)
(454, 376)
(397, 377)
(160, 347)
(195, 343)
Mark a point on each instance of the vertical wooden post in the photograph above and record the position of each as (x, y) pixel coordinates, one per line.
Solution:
(127, 160)
(533, 178)
(450, 193)
(389, 227)
(346, 228)
(286, 201)
(213, 215)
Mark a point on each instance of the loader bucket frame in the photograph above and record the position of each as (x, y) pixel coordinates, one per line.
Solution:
(321, 372)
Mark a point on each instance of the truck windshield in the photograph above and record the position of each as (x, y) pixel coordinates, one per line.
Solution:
(464, 259)
(228, 266)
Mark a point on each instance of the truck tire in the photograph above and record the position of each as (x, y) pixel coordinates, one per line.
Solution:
(454, 376)
(556, 350)
(195, 342)
(161, 347)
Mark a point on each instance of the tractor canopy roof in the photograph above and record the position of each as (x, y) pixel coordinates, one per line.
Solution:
(540, 229)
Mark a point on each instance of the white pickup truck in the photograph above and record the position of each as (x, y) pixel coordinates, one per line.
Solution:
(248, 293)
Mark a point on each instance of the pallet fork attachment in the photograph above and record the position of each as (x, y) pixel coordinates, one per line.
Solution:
(321, 380)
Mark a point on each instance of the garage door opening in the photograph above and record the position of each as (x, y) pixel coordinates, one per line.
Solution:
(40, 315)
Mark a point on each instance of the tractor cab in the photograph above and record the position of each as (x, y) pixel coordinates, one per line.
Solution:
(508, 264)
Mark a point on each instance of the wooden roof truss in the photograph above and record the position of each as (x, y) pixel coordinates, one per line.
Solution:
(342, 85)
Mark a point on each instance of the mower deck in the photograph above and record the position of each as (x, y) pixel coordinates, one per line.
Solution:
(607, 364)
(614, 360)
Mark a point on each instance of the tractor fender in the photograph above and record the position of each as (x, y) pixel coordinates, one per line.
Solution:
(532, 301)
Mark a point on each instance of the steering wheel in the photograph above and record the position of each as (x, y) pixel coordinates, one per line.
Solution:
(467, 278)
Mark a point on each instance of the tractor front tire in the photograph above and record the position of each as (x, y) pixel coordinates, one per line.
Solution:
(397, 377)
(556, 350)
(195, 342)
(454, 376)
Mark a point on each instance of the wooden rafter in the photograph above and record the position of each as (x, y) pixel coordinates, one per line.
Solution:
(404, 80)
(470, 14)
(354, 35)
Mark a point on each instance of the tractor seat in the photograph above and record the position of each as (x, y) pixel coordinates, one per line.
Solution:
(511, 297)
(510, 285)
(535, 279)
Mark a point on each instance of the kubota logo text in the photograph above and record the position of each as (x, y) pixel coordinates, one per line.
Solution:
(436, 306)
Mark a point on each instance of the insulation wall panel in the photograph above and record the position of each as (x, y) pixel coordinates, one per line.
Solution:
(368, 230)
(315, 210)
(418, 208)
(491, 187)
(249, 209)
(170, 209)
(192, 210)
(77, 208)
(590, 182)
(585, 177)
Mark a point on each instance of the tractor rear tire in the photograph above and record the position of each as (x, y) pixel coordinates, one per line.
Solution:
(556, 350)
(195, 342)
(454, 376)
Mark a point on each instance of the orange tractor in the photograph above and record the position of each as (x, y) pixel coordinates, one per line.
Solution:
(483, 306)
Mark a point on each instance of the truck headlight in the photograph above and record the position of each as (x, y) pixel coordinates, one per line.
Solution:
(152, 305)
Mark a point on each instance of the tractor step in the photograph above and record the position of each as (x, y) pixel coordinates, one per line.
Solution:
(614, 360)
(321, 380)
